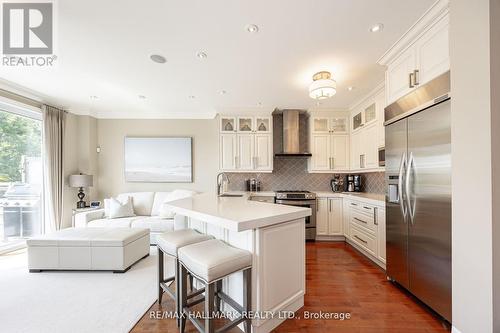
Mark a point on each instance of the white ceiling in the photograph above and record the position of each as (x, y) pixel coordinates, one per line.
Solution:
(103, 49)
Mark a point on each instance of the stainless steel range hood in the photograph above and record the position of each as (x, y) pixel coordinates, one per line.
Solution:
(291, 135)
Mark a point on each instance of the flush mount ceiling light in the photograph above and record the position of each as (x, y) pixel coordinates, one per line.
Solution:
(323, 86)
(201, 55)
(350, 88)
(158, 58)
(252, 28)
(222, 92)
(377, 27)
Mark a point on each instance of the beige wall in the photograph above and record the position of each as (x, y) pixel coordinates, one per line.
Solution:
(475, 157)
(80, 157)
(110, 137)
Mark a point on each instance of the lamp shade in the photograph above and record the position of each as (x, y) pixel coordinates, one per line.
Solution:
(81, 180)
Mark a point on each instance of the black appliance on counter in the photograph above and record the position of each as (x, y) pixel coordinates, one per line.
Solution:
(352, 183)
(337, 183)
(301, 199)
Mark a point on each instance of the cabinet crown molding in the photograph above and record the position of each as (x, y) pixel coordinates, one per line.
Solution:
(439, 9)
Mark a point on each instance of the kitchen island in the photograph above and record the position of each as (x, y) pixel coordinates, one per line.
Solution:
(275, 234)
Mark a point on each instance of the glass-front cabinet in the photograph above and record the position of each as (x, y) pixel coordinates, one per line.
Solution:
(245, 124)
(330, 125)
(263, 124)
(370, 113)
(339, 125)
(227, 124)
(357, 121)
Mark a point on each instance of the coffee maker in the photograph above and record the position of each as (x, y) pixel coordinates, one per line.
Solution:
(352, 183)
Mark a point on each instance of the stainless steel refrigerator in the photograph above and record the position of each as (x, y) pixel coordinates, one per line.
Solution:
(418, 198)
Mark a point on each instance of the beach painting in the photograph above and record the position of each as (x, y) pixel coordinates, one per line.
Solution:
(158, 160)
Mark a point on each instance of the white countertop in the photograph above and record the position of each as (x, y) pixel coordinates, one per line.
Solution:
(236, 213)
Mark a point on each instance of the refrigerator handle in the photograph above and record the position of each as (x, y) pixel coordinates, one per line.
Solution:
(400, 186)
(411, 210)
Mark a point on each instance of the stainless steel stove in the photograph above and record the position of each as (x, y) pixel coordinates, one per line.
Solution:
(301, 199)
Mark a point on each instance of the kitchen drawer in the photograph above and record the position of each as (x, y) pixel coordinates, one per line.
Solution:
(363, 208)
(262, 198)
(363, 239)
(363, 220)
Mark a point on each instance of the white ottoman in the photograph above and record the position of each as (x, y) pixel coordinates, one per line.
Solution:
(93, 249)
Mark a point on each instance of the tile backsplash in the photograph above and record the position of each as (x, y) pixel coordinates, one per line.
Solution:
(291, 174)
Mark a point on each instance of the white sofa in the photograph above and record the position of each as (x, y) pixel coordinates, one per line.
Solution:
(146, 208)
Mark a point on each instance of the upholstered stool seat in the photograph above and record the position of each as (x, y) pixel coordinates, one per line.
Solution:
(211, 261)
(169, 243)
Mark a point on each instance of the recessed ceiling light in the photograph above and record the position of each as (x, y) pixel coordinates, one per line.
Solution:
(201, 55)
(252, 28)
(351, 88)
(158, 58)
(142, 97)
(377, 27)
(222, 92)
(93, 97)
(191, 96)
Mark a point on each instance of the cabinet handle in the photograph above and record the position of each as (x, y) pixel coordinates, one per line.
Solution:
(375, 221)
(359, 220)
(317, 205)
(330, 204)
(410, 80)
(236, 162)
(366, 207)
(416, 79)
(353, 204)
(361, 239)
(333, 163)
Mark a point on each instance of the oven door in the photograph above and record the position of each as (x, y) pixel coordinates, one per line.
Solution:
(310, 220)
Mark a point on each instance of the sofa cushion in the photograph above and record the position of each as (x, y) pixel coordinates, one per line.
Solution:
(158, 200)
(124, 222)
(154, 224)
(119, 209)
(142, 201)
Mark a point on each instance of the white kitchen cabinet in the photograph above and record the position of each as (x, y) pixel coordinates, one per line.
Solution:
(380, 104)
(356, 150)
(228, 151)
(320, 150)
(263, 152)
(425, 58)
(432, 52)
(329, 217)
(246, 147)
(335, 218)
(369, 147)
(329, 153)
(322, 216)
(398, 75)
(246, 144)
(380, 221)
(339, 151)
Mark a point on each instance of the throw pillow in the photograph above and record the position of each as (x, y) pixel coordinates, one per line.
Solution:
(118, 209)
(165, 211)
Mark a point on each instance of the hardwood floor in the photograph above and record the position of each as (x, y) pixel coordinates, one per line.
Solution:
(339, 279)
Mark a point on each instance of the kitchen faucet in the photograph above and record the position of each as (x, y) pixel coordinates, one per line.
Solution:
(220, 182)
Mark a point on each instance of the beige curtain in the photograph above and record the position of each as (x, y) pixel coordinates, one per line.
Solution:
(53, 143)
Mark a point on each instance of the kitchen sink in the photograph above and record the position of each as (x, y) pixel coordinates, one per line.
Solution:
(230, 195)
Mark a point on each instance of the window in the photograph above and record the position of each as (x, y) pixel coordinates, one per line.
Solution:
(21, 178)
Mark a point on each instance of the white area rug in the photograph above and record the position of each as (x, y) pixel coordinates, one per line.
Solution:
(74, 301)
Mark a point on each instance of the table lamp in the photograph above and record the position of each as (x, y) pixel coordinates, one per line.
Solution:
(81, 181)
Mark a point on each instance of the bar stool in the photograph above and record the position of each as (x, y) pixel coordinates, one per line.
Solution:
(169, 243)
(209, 262)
